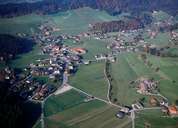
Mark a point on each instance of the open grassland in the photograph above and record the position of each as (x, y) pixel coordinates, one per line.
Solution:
(76, 21)
(62, 102)
(162, 39)
(155, 119)
(93, 114)
(128, 68)
(93, 47)
(169, 73)
(91, 79)
(69, 22)
(22, 24)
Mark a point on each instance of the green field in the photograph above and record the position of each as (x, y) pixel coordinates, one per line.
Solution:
(70, 22)
(91, 79)
(76, 21)
(62, 102)
(22, 24)
(128, 68)
(155, 119)
(93, 47)
(93, 114)
(162, 39)
(168, 72)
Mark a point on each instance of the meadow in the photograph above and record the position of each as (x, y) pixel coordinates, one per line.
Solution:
(168, 72)
(83, 115)
(128, 68)
(154, 119)
(91, 79)
(77, 21)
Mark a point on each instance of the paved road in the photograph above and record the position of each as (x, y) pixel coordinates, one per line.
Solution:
(42, 114)
(133, 118)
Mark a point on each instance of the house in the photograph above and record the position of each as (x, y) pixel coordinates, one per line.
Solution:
(120, 115)
(142, 88)
(86, 62)
(172, 110)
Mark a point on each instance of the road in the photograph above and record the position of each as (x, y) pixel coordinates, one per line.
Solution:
(42, 114)
(133, 118)
(87, 94)
(109, 85)
(65, 83)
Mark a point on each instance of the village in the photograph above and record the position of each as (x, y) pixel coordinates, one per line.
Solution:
(64, 61)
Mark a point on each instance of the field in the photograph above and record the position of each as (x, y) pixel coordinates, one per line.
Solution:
(162, 39)
(128, 68)
(22, 24)
(81, 114)
(69, 110)
(76, 21)
(91, 79)
(155, 119)
(57, 104)
(168, 71)
(93, 47)
(70, 22)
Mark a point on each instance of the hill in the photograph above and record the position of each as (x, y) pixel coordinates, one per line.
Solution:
(111, 6)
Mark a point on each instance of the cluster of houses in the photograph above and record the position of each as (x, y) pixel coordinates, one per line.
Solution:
(43, 91)
(101, 57)
(126, 42)
(27, 87)
(174, 37)
(146, 86)
(45, 34)
(170, 110)
(7, 74)
(62, 58)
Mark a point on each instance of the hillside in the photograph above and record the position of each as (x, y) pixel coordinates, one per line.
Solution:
(111, 6)
(12, 46)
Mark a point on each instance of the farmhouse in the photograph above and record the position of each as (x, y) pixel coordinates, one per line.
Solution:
(172, 110)
(146, 86)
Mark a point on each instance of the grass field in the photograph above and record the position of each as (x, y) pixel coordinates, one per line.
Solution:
(162, 39)
(70, 22)
(62, 102)
(22, 24)
(155, 119)
(93, 114)
(93, 47)
(91, 79)
(76, 21)
(168, 70)
(128, 68)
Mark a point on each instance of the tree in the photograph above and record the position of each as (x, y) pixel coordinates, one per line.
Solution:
(176, 102)
(115, 100)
